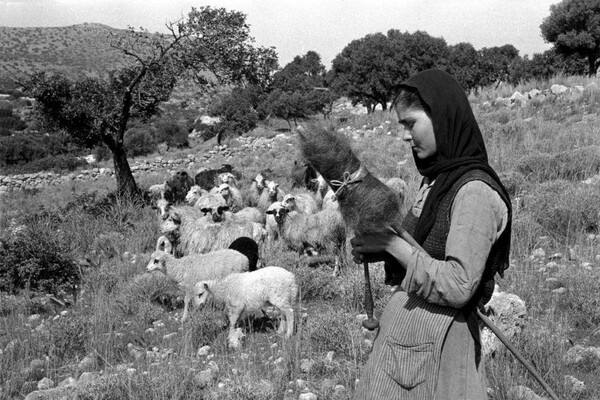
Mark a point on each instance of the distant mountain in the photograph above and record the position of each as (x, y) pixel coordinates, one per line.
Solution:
(77, 51)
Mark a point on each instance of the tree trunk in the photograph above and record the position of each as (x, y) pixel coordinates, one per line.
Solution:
(126, 185)
(592, 65)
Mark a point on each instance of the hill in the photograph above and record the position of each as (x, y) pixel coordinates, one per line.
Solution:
(77, 50)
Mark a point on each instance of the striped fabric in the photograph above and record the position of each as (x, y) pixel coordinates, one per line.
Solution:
(405, 357)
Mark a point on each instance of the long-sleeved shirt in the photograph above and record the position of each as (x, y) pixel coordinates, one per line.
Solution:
(478, 218)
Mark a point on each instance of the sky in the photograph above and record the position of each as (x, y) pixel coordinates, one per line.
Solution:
(324, 26)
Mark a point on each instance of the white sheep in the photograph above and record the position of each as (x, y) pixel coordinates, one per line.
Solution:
(158, 191)
(301, 201)
(325, 196)
(164, 244)
(251, 214)
(228, 178)
(270, 195)
(271, 226)
(233, 197)
(162, 206)
(194, 194)
(324, 230)
(256, 189)
(186, 271)
(251, 292)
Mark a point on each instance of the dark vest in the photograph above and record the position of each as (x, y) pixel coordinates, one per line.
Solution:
(435, 242)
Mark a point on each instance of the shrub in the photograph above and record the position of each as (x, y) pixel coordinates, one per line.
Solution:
(34, 260)
(139, 142)
(237, 116)
(172, 134)
(101, 153)
(57, 163)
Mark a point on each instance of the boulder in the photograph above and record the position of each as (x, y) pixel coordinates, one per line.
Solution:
(507, 311)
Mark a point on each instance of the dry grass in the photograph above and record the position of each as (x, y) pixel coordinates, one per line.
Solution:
(114, 311)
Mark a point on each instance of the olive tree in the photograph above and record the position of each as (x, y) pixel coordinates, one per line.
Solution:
(212, 45)
(573, 26)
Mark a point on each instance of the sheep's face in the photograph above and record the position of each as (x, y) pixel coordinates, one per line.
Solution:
(157, 263)
(278, 212)
(273, 189)
(288, 202)
(227, 177)
(260, 181)
(171, 222)
(193, 194)
(321, 183)
(217, 214)
(162, 207)
(201, 293)
(224, 190)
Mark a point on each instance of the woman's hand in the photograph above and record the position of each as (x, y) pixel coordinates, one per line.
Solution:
(372, 247)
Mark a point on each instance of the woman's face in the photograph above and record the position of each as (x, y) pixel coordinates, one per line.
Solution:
(418, 131)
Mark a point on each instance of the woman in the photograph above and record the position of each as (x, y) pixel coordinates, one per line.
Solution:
(428, 345)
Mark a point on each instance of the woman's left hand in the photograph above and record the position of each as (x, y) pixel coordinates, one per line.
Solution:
(371, 248)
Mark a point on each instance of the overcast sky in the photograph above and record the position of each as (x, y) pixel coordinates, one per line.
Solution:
(325, 26)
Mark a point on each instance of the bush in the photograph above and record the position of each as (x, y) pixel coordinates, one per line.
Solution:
(101, 153)
(21, 149)
(172, 134)
(33, 260)
(58, 163)
(139, 142)
(237, 116)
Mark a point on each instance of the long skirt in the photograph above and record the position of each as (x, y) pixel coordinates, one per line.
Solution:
(423, 351)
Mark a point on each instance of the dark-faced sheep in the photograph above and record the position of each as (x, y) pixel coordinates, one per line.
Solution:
(207, 178)
(177, 187)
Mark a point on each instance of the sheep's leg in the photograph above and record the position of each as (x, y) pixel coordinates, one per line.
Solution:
(186, 306)
(336, 267)
(289, 321)
(234, 315)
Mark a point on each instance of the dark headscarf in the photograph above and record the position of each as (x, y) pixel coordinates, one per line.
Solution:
(460, 148)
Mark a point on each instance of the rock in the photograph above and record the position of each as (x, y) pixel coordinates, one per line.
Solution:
(508, 313)
(559, 291)
(306, 365)
(59, 393)
(580, 356)
(70, 381)
(538, 254)
(88, 363)
(208, 376)
(558, 89)
(523, 393)
(88, 377)
(37, 370)
(329, 356)
(307, 396)
(575, 386)
(533, 93)
(553, 283)
(45, 383)
(203, 351)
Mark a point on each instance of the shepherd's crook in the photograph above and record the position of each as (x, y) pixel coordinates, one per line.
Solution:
(370, 323)
(488, 322)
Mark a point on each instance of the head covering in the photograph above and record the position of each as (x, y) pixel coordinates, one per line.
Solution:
(460, 147)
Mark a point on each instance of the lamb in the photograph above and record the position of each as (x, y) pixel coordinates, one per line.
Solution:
(252, 291)
(157, 191)
(271, 225)
(324, 230)
(233, 197)
(186, 271)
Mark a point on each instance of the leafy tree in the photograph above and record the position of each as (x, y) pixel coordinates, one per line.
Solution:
(574, 28)
(368, 70)
(545, 65)
(463, 64)
(495, 62)
(212, 45)
(299, 89)
(237, 115)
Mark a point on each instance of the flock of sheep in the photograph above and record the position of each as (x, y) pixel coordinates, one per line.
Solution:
(215, 232)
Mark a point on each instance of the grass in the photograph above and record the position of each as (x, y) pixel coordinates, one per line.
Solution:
(542, 150)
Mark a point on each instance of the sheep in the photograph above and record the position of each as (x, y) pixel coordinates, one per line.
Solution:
(177, 186)
(248, 247)
(252, 291)
(251, 214)
(227, 178)
(193, 232)
(157, 191)
(256, 189)
(271, 225)
(194, 194)
(399, 186)
(186, 271)
(324, 230)
(303, 202)
(162, 206)
(233, 197)
(325, 196)
(206, 178)
(164, 244)
(213, 204)
(271, 194)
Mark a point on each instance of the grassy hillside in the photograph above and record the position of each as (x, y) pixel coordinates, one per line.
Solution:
(76, 50)
(543, 150)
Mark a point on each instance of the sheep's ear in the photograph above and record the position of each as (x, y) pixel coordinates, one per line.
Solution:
(222, 208)
(270, 212)
(206, 210)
